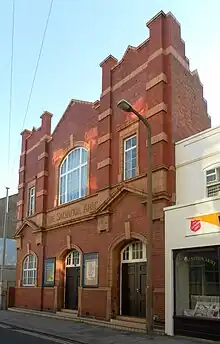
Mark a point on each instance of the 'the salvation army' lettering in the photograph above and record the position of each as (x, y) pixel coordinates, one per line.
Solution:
(71, 213)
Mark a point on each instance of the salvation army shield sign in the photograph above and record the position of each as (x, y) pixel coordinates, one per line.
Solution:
(195, 225)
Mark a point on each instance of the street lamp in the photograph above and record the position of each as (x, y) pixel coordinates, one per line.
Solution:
(127, 107)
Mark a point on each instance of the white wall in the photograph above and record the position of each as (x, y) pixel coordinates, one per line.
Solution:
(178, 235)
(193, 156)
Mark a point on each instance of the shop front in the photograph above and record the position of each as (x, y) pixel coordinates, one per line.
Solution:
(192, 273)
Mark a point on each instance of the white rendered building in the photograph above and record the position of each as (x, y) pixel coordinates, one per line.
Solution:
(192, 240)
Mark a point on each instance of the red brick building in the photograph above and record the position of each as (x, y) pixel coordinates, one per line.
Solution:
(82, 235)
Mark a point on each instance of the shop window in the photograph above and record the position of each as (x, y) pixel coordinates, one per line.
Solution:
(73, 180)
(197, 283)
(130, 157)
(213, 182)
(29, 272)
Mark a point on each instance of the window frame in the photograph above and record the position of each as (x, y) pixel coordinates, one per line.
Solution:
(214, 183)
(124, 154)
(197, 258)
(73, 256)
(130, 247)
(67, 172)
(34, 270)
(31, 197)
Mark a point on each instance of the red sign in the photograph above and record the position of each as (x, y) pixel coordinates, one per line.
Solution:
(195, 225)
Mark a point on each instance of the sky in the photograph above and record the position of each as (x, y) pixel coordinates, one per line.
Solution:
(82, 33)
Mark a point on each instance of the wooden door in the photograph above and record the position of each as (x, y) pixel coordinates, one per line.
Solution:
(141, 286)
(134, 289)
(72, 284)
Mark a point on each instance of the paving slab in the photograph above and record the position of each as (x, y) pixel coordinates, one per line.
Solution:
(82, 333)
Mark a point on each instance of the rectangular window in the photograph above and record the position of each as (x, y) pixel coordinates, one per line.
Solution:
(213, 182)
(31, 201)
(197, 282)
(130, 157)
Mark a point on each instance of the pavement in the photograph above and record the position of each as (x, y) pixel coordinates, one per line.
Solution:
(63, 331)
(16, 336)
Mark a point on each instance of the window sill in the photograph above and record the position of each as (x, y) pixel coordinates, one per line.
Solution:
(77, 200)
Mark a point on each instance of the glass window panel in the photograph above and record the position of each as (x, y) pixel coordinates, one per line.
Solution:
(128, 165)
(75, 189)
(133, 173)
(128, 155)
(211, 178)
(84, 156)
(30, 273)
(62, 188)
(197, 285)
(133, 163)
(25, 264)
(74, 159)
(84, 180)
(63, 167)
(133, 141)
(29, 270)
(126, 253)
(133, 153)
(212, 171)
(73, 184)
(128, 144)
(128, 174)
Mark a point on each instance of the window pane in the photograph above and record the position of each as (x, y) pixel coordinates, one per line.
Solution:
(134, 140)
(74, 159)
(211, 178)
(213, 190)
(197, 283)
(25, 264)
(63, 167)
(128, 144)
(128, 174)
(128, 155)
(133, 163)
(29, 270)
(130, 161)
(133, 153)
(210, 172)
(126, 253)
(84, 156)
(84, 180)
(73, 185)
(128, 165)
(62, 189)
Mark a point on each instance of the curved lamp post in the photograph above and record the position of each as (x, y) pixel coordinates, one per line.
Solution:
(127, 107)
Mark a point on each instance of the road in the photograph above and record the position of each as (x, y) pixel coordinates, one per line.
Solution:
(12, 335)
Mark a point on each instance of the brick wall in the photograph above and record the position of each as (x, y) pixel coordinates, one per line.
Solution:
(155, 78)
(189, 109)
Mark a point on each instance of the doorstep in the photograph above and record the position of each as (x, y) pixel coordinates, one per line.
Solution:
(119, 323)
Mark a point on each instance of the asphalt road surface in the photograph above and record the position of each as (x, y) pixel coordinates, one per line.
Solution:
(12, 335)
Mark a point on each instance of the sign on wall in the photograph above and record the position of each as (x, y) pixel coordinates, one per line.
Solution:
(203, 224)
(49, 272)
(90, 270)
(10, 252)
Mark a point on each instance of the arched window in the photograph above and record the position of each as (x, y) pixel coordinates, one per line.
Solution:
(134, 252)
(73, 259)
(73, 176)
(29, 272)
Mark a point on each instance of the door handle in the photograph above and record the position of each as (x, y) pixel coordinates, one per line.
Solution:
(138, 290)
